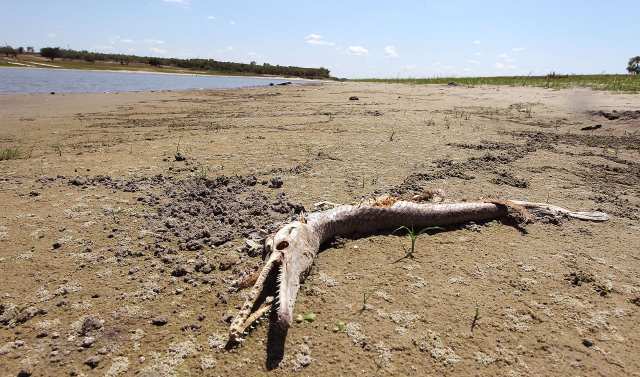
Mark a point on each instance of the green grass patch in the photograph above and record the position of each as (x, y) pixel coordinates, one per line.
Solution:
(616, 83)
(11, 153)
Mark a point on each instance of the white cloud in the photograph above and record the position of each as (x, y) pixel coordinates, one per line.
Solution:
(226, 49)
(390, 52)
(158, 50)
(317, 39)
(518, 49)
(126, 40)
(253, 54)
(471, 61)
(51, 35)
(506, 58)
(409, 67)
(154, 41)
(232, 22)
(504, 66)
(476, 42)
(185, 2)
(357, 51)
(211, 18)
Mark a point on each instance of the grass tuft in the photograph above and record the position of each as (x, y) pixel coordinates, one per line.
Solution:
(11, 153)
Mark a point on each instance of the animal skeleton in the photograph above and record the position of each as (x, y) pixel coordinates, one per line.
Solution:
(292, 249)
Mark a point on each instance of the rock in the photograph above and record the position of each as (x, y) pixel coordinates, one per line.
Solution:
(89, 325)
(78, 181)
(587, 343)
(590, 128)
(206, 268)
(179, 271)
(180, 157)
(28, 313)
(227, 263)
(56, 245)
(354, 98)
(88, 341)
(275, 182)
(24, 373)
(159, 321)
(93, 361)
(453, 83)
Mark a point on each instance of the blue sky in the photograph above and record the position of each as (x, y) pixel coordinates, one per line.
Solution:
(352, 38)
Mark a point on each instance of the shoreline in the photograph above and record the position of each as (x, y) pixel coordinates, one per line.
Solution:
(293, 81)
(199, 73)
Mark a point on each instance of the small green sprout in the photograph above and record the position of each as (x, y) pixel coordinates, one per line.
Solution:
(307, 317)
(340, 326)
(413, 236)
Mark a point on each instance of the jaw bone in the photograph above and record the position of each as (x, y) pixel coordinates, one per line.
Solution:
(290, 254)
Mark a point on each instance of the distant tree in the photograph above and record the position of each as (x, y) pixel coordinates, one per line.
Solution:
(20, 50)
(30, 50)
(8, 51)
(634, 65)
(51, 52)
(154, 62)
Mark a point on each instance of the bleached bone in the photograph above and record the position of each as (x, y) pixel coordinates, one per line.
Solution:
(293, 248)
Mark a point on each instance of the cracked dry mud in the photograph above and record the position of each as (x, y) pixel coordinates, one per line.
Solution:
(117, 258)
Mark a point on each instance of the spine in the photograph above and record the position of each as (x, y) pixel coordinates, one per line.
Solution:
(362, 220)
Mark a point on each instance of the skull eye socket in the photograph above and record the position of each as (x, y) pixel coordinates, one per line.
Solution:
(282, 245)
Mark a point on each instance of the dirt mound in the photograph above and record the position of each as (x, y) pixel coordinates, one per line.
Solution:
(493, 162)
(211, 212)
(617, 115)
(196, 212)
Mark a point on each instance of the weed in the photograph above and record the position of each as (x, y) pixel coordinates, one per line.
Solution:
(340, 326)
(413, 236)
(203, 172)
(57, 148)
(114, 212)
(476, 318)
(364, 301)
(11, 153)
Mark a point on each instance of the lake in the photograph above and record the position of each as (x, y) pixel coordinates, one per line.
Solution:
(43, 80)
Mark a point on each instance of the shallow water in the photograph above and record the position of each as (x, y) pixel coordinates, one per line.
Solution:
(43, 80)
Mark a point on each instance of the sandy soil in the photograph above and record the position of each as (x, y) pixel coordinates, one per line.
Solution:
(117, 259)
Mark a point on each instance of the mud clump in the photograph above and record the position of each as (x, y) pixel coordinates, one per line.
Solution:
(212, 212)
(506, 178)
(617, 115)
(577, 278)
(128, 185)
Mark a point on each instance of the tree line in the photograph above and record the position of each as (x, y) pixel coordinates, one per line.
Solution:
(197, 64)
